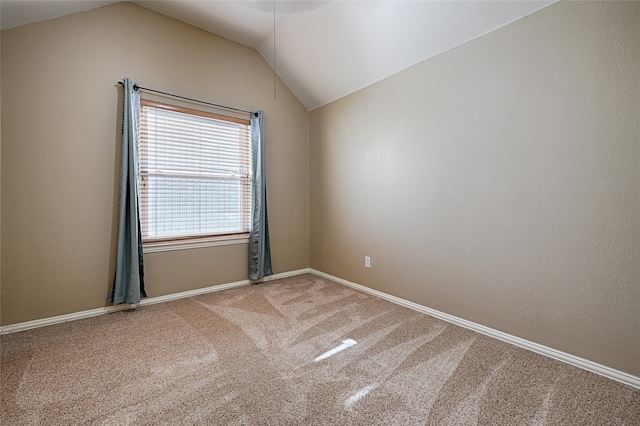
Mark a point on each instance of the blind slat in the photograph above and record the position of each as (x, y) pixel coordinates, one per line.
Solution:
(195, 173)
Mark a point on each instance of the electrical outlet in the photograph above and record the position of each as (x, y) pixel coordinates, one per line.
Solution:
(367, 262)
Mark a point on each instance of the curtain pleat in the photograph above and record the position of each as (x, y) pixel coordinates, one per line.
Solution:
(128, 283)
(259, 247)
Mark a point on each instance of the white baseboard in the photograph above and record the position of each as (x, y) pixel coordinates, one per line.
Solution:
(585, 364)
(146, 301)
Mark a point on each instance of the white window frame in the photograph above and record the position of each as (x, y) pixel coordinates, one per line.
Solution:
(199, 241)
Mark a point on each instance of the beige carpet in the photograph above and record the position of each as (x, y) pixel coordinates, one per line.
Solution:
(300, 350)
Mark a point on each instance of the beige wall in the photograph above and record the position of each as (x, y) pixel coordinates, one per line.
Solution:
(498, 182)
(60, 154)
(0, 181)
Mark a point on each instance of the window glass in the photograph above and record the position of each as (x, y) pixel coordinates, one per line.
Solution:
(195, 172)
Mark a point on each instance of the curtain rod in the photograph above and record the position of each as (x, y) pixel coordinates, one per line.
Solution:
(136, 87)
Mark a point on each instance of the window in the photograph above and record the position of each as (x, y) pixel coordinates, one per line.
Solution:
(195, 169)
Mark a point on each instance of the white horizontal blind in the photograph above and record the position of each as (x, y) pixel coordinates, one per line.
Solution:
(195, 173)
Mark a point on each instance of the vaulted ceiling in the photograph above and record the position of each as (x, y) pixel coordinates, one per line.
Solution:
(323, 50)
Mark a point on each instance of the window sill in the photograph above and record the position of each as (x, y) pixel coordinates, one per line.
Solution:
(195, 243)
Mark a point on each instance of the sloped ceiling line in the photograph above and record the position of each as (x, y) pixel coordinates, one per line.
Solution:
(325, 49)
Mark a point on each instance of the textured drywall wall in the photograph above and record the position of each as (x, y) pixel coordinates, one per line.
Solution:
(498, 182)
(61, 107)
(0, 181)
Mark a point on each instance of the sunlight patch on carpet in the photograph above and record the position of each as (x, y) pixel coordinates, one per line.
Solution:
(344, 345)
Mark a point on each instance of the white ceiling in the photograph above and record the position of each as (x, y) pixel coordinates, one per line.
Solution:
(324, 49)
